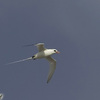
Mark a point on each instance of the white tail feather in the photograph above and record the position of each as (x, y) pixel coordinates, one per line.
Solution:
(20, 60)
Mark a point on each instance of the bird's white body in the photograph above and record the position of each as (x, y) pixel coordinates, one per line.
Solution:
(44, 53)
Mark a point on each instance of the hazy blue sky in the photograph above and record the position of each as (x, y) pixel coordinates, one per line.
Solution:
(72, 27)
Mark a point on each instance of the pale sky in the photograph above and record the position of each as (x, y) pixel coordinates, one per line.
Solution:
(72, 27)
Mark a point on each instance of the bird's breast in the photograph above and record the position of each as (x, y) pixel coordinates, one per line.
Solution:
(43, 54)
(40, 55)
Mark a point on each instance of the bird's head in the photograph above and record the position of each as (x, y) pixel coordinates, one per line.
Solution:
(55, 51)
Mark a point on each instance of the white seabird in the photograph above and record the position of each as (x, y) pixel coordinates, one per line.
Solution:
(43, 53)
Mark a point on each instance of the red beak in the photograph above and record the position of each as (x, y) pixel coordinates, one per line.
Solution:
(57, 52)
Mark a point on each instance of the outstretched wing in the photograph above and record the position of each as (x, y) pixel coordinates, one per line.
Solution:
(40, 47)
(52, 67)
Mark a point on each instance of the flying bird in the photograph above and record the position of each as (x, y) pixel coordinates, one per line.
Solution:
(43, 53)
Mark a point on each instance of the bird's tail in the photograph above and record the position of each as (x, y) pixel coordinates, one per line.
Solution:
(20, 61)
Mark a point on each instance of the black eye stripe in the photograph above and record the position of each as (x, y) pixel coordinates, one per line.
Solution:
(54, 50)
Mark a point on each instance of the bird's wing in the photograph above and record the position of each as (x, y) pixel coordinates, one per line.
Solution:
(40, 47)
(52, 67)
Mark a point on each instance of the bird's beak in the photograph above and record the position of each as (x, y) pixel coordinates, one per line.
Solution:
(57, 52)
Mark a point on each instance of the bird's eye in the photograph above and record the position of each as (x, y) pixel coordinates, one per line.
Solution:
(54, 50)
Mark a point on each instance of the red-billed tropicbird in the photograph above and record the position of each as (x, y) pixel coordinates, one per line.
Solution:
(43, 53)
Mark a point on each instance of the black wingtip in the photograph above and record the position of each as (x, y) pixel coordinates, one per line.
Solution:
(47, 81)
(28, 45)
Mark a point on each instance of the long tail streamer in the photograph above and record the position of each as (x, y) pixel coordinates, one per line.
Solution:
(20, 61)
